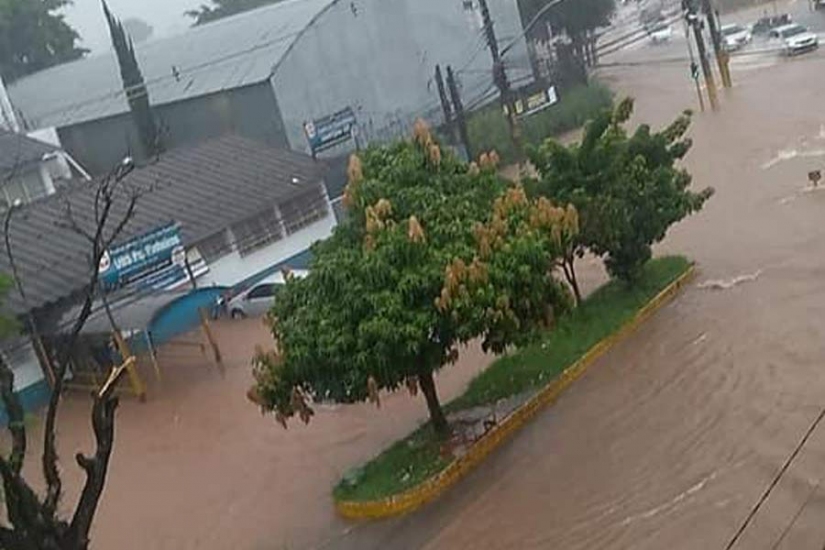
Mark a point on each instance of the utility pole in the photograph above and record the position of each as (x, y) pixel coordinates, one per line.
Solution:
(695, 22)
(722, 56)
(459, 112)
(500, 76)
(694, 69)
(445, 102)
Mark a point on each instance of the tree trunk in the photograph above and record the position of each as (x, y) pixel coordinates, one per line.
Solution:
(570, 275)
(427, 384)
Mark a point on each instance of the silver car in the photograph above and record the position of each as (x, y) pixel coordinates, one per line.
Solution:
(258, 299)
(735, 37)
(795, 39)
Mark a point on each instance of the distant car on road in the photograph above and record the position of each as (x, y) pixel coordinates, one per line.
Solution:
(769, 22)
(660, 34)
(735, 37)
(795, 39)
(258, 299)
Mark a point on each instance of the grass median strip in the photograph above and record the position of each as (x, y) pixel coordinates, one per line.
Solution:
(417, 457)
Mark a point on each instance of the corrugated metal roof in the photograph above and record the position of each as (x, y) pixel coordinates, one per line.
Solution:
(18, 150)
(205, 189)
(225, 54)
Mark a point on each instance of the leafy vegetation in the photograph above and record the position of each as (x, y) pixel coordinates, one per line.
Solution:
(488, 128)
(628, 188)
(573, 18)
(224, 8)
(417, 457)
(34, 36)
(433, 254)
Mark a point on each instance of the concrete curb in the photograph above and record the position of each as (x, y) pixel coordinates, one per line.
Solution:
(431, 488)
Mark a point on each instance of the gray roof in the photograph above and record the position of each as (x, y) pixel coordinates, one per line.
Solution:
(225, 54)
(19, 150)
(205, 189)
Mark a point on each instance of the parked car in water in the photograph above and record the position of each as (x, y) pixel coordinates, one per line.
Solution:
(660, 34)
(766, 24)
(258, 299)
(735, 37)
(795, 39)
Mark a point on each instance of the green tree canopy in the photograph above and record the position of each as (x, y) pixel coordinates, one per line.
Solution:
(33, 36)
(138, 29)
(433, 254)
(575, 17)
(628, 189)
(224, 8)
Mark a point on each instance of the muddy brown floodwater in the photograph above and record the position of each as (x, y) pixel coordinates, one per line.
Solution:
(670, 440)
(666, 443)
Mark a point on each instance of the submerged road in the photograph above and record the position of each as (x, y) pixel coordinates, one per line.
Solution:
(672, 438)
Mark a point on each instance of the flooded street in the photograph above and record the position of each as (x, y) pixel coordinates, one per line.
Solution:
(673, 437)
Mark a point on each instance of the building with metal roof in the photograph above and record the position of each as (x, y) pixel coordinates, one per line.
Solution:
(240, 205)
(267, 73)
(219, 215)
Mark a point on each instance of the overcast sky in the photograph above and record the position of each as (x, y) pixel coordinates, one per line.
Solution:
(166, 16)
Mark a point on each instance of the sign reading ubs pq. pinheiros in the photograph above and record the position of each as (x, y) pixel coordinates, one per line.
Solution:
(153, 260)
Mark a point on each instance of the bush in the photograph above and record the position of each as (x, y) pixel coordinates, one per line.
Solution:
(488, 129)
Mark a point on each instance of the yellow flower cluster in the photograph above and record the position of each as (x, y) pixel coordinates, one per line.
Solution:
(456, 276)
(355, 174)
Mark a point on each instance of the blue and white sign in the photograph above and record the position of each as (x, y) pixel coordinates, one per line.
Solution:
(156, 259)
(329, 131)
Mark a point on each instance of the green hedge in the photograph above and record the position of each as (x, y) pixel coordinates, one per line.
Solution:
(488, 129)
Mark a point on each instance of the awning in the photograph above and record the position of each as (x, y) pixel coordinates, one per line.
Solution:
(130, 315)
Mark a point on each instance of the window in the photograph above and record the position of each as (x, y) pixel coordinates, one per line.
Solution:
(257, 232)
(215, 247)
(34, 186)
(24, 188)
(13, 191)
(263, 291)
(304, 210)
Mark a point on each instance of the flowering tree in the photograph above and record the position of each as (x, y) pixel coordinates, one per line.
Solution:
(433, 254)
(628, 187)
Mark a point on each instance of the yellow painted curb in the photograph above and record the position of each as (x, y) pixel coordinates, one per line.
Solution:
(431, 488)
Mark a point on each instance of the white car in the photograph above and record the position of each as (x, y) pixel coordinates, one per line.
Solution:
(795, 39)
(661, 34)
(258, 299)
(735, 36)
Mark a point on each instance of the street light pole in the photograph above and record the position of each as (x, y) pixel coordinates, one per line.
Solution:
(710, 84)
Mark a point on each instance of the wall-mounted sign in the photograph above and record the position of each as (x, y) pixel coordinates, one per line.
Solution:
(329, 131)
(153, 260)
(528, 104)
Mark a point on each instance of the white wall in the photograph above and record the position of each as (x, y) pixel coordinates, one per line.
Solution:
(380, 61)
(233, 268)
(24, 364)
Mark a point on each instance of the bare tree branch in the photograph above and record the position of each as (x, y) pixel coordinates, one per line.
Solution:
(104, 201)
(16, 419)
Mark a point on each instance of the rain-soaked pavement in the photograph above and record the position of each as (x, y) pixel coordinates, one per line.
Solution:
(673, 437)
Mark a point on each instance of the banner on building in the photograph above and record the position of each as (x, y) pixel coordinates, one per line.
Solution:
(327, 132)
(156, 260)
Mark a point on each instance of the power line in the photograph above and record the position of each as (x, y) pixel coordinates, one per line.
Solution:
(530, 25)
(776, 479)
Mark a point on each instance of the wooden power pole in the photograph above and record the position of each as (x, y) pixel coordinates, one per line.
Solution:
(500, 75)
(722, 57)
(458, 108)
(445, 103)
